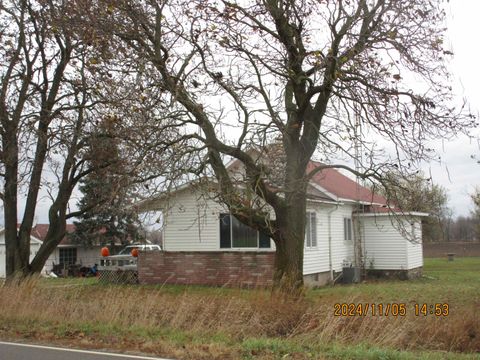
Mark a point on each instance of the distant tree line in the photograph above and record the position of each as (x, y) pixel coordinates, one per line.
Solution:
(465, 228)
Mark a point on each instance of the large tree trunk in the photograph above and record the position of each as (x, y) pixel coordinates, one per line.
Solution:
(289, 240)
(290, 223)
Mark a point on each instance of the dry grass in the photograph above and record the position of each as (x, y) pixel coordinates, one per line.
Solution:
(226, 319)
(237, 316)
(132, 306)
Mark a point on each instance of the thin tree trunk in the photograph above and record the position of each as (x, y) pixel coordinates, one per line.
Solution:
(15, 262)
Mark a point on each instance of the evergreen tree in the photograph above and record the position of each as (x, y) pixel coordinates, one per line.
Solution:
(107, 219)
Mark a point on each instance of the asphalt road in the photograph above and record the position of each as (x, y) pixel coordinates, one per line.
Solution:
(17, 351)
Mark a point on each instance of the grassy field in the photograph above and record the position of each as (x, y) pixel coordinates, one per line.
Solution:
(217, 323)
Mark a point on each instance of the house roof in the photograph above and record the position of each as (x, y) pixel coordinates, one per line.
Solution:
(342, 187)
(40, 232)
(327, 185)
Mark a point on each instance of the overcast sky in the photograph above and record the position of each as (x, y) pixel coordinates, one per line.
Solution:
(457, 171)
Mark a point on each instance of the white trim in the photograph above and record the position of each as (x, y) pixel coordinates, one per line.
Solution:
(81, 351)
(393, 213)
(318, 201)
(345, 228)
(361, 202)
(313, 230)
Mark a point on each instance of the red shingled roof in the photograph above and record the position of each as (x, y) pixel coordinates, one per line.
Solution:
(334, 182)
(40, 232)
(342, 186)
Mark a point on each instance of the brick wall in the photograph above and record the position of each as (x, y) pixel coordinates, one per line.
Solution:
(206, 268)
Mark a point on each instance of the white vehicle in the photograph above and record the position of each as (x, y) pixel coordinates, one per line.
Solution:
(124, 258)
(127, 250)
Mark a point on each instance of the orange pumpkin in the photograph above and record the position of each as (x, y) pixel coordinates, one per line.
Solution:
(105, 251)
(134, 252)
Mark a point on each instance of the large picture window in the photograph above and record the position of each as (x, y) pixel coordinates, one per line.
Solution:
(311, 230)
(235, 234)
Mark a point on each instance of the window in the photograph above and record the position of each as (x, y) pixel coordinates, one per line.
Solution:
(68, 256)
(235, 234)
(311, 230)
(347, 229)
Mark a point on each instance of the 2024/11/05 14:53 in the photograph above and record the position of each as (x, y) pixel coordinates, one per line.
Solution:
(390, 309)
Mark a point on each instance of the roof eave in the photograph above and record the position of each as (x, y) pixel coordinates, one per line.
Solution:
(394, 213)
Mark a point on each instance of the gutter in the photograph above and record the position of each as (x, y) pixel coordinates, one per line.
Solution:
(330, 262)
(393, 213)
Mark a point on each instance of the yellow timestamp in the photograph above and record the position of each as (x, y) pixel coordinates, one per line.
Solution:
(437, 309)
(390, 309)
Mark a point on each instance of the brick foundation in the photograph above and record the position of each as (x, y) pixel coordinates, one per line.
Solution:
(233, 268)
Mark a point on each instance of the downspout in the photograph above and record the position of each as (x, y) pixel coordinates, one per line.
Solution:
(330, 262)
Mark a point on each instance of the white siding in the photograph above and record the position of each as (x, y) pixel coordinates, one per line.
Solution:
(385, 248)
(341, 250)
(315, 259)
(86, 256)
(192, 223)
(414, 249)
(34, 246)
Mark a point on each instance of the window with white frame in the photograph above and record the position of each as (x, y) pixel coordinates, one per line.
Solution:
(311, 230)
(347, 229)
(68, 256)
(235, 234)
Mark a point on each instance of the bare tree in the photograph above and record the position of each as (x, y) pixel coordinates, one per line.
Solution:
(417, 193)
(304, 74)
(44, 102)
(54, 93)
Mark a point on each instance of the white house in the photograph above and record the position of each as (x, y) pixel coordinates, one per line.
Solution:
(347, 225)
(65, 254)
(34, 246)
